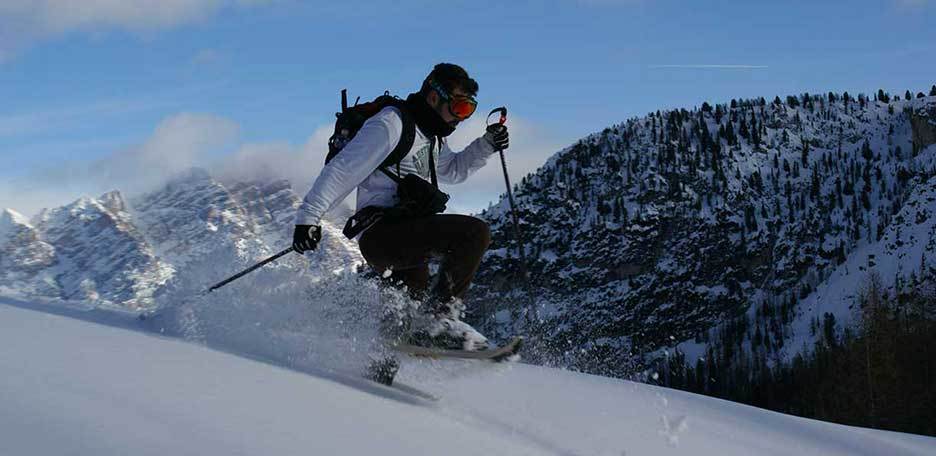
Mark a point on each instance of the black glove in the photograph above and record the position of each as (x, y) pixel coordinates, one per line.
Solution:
(306, 237)
(497, 135)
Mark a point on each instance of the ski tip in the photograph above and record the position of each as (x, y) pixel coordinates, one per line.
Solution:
(512, 354)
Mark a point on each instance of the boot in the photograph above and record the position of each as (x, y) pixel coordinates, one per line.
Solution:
(440, 325)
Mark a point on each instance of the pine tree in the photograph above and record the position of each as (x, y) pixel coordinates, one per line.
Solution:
(883, 96)
(933, 91)
(815, 185)
(866, 151)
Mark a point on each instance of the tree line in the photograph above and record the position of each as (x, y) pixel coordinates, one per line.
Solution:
(880, 373)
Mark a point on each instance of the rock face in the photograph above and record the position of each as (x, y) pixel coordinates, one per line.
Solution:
(192, 215)
(659, 230)
(23, 256)
(101, 254)
(923, 122)
(108, 251)
(271, 206)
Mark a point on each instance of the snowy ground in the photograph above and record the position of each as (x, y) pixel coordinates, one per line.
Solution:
(77, 387)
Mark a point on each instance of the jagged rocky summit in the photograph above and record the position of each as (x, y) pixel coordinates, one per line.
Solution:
(117, 252)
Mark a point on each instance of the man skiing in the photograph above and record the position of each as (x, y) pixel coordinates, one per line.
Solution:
(398, 223)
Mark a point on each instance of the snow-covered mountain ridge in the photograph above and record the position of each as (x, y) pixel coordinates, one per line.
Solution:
(113, 252)
(657, 231)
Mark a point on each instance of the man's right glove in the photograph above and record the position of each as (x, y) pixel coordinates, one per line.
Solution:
(306, 237)
(497, 135)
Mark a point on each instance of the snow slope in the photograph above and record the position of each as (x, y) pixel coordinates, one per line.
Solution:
(78, 387)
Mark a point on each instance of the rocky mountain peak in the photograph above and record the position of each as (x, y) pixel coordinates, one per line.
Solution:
(11, 220)
(113, 251)
(113, 201)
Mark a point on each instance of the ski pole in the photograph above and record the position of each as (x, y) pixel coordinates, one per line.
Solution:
(521, 249)
(154, 314)
(247, 271)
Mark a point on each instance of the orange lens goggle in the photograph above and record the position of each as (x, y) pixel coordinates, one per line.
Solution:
(460, 106)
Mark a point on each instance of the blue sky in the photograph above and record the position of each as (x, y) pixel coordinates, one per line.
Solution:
(121, 93)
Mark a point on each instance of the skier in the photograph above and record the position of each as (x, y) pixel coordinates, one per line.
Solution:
(398, 223)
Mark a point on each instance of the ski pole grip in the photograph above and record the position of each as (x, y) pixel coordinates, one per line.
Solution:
(503, 114)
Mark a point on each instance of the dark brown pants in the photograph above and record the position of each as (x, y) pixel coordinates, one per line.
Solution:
(405, 247)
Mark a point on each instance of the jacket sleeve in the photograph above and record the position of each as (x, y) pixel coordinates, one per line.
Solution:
(455, 167)
(359, 158)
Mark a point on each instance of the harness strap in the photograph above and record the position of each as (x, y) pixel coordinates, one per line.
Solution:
(432, 165)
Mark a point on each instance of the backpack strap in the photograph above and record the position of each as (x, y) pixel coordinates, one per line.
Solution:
(406, 141)
(432, 166)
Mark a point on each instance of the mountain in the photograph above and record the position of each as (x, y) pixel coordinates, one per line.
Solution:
(122, 253)
(84, 388)
(729, 228)
(732, 249)
(671, 230)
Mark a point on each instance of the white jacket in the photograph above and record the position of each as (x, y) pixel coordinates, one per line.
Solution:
(356, 166)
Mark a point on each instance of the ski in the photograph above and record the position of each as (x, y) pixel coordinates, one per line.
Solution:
(497, 354)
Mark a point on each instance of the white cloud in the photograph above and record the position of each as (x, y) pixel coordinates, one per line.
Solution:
(177, 143)
(185, 140)
(23, 22)
(276, 160)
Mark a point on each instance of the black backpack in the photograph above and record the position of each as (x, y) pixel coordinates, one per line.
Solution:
(351, 119)
(416, 196)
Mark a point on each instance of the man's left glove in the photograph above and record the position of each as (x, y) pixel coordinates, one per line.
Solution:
(306, 237)
(497, 135)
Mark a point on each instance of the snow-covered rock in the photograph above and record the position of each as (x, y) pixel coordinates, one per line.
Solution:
(101, 256)
(23, 257)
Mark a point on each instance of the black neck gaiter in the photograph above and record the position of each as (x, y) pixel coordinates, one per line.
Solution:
(428, 120)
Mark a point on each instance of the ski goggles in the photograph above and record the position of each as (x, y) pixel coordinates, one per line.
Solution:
(461, 107)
